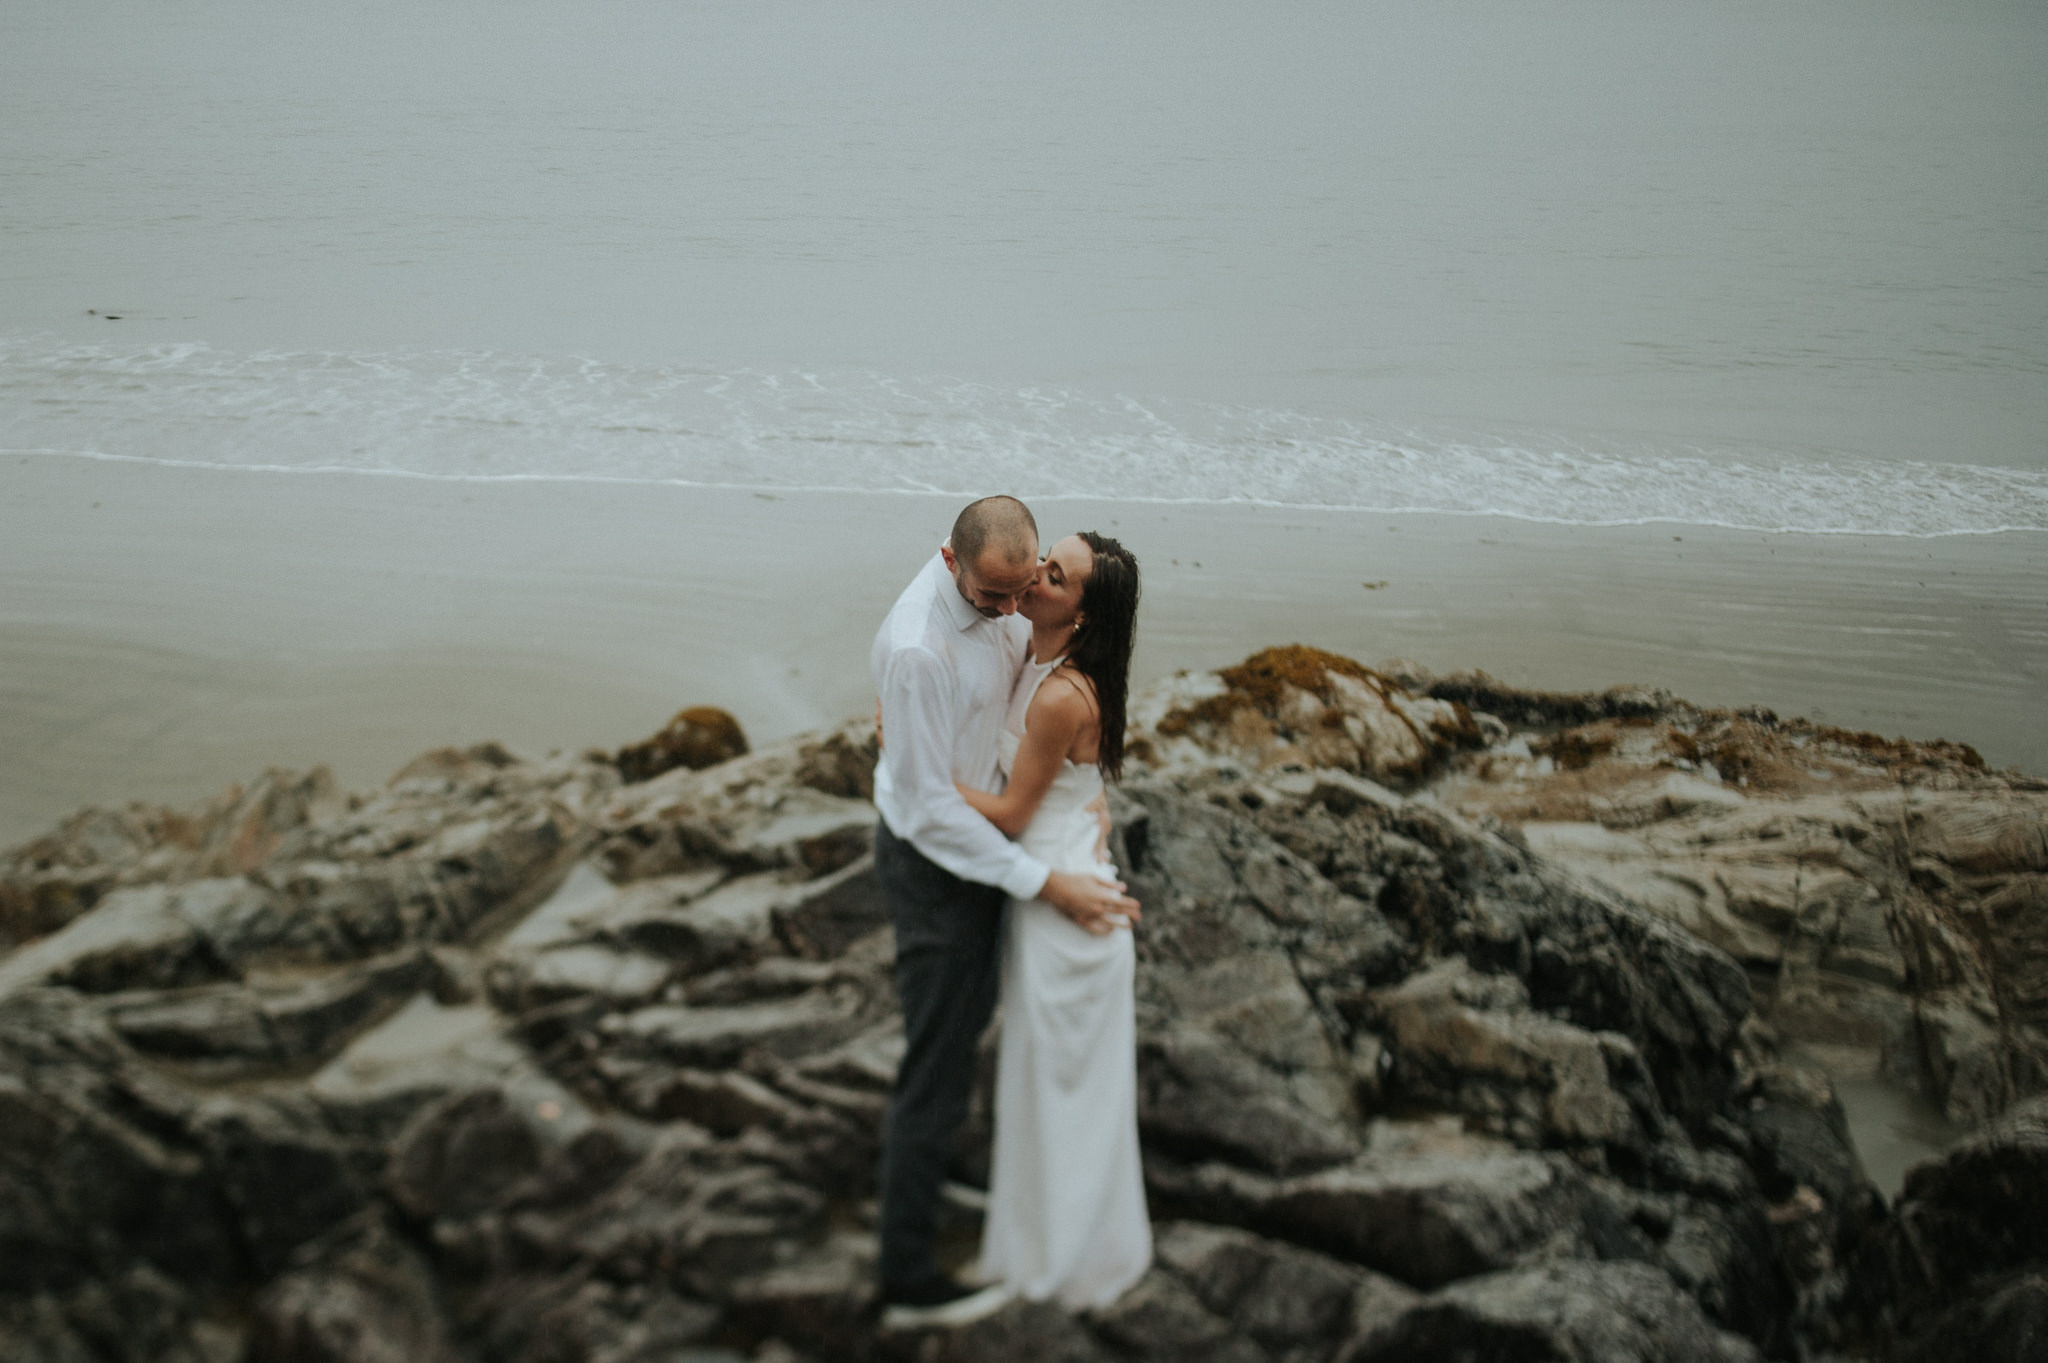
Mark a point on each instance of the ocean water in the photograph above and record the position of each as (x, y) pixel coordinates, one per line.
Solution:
(1761, 265)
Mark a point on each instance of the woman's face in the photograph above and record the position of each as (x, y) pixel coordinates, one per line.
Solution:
(1055, 598)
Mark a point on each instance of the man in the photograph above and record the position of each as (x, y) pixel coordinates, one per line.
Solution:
(943, 664)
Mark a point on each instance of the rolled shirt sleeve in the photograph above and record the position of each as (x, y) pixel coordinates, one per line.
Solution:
(920, 711)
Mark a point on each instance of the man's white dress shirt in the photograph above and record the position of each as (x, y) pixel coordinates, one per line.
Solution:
(944, 672)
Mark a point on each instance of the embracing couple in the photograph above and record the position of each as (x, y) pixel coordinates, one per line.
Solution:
(1002, 680)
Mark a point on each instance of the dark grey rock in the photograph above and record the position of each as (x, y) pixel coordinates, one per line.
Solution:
(136, 1316)
(1971, 1229)
(1278, 1293)
(460, 1156)
(1198, 1095)
(1570, 1312)
(828, 915)
(1470, 1043)
(423, 1053)
(820, 1298)
(808, 831)
(713, 1038)
(207, 1022)
(1726, 1257)
(366, 1296)
(731, 923)
(2004, 1323)
(723, 1102)
(1800, 1136)
(1984, 1205)
(1162, 1318)
(36, 1330)
(149, 937)
(577, 1318)
(243, 1026)
(779, 809)
(312, 1020)
(367, 907)
(675, 1206)
(778, 977)
(865, 1062)
(1025, 1332)
(50, 880)
(597, 1072)
(96, 1167)
(286, 1177)
(1426, 1219)
(620, 979)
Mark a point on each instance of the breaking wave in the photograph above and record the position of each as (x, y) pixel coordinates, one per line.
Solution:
(490, 416)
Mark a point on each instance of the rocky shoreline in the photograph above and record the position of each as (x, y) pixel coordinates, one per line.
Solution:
(1468, 1026)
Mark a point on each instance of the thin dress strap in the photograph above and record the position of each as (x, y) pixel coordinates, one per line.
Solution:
(1020, 699)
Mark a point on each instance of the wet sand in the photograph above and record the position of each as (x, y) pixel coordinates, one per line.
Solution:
(166, 631)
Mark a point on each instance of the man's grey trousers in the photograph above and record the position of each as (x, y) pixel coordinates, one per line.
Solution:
(949, 936)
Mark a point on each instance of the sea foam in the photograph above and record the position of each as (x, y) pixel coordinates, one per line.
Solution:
(491, 416)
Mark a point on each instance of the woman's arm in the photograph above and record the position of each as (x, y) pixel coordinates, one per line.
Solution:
(1051, 725)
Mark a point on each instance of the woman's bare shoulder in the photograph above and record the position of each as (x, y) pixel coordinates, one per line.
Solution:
(1066, 697)
(1078, 685)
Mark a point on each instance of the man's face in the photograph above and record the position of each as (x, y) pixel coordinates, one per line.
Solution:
(994, 583)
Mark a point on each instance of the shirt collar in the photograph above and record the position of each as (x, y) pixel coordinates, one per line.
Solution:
(963, 615)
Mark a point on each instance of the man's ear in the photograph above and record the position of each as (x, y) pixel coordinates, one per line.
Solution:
(946, 553)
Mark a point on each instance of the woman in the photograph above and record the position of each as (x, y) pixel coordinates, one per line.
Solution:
(1066, 1214)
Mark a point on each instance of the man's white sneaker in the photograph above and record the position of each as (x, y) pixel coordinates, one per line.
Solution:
(940, 1303)
(965, 1196)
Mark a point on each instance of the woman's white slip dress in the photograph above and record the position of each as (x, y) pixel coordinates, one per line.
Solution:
(1066, 1214)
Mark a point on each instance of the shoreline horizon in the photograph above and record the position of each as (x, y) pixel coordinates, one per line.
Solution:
(773, 491)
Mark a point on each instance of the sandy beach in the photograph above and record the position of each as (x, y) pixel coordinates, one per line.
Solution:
(168, 631)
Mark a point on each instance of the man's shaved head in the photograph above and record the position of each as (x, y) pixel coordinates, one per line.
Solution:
(1000, 527)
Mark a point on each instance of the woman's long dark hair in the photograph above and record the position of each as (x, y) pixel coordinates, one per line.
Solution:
(1101, 650)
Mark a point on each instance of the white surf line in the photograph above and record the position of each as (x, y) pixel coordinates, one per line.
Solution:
(1131, 499)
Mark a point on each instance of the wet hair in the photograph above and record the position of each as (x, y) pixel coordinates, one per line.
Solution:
(1003, 524)
(1101, 650)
